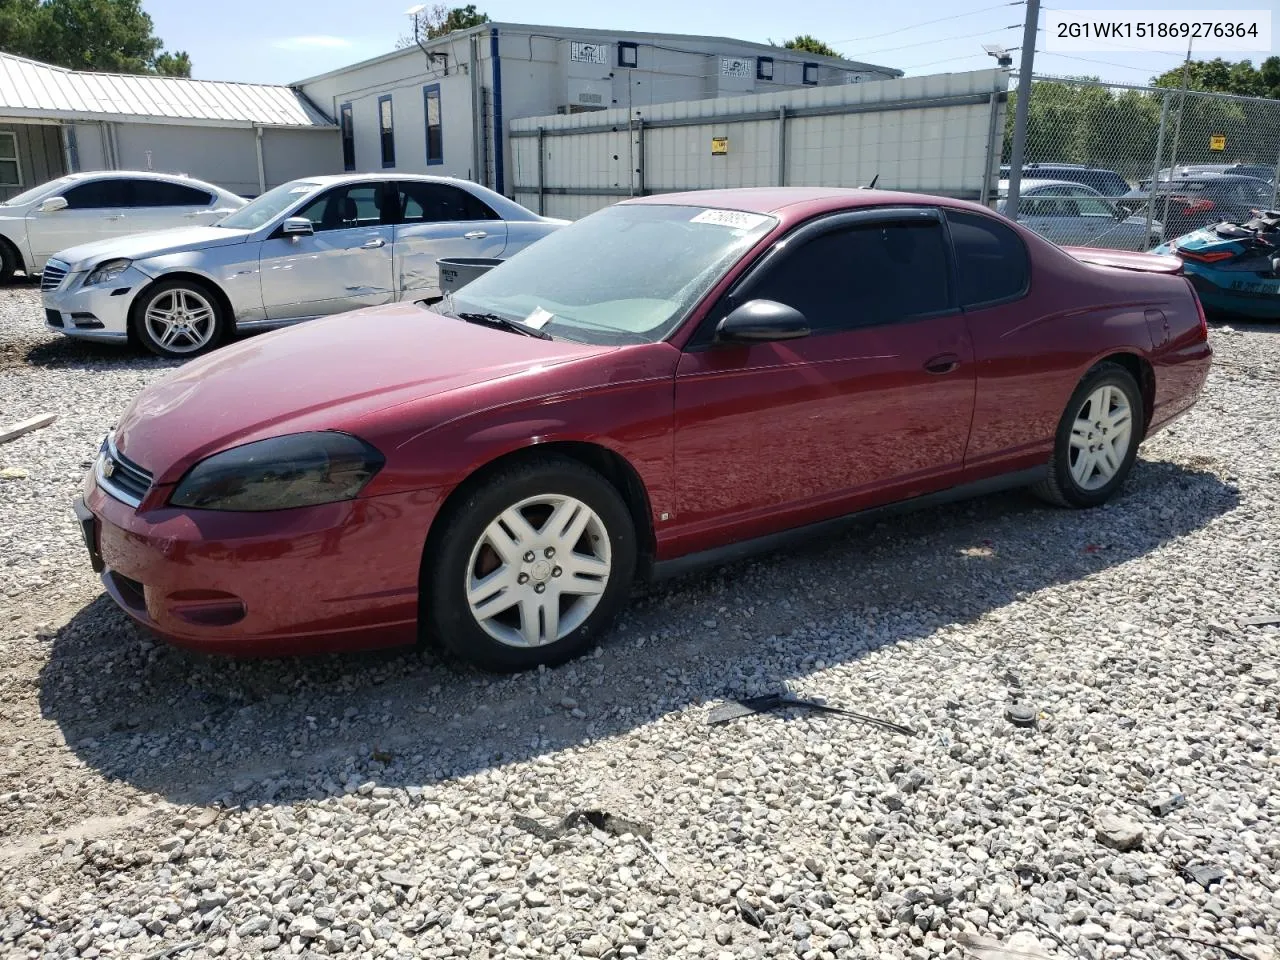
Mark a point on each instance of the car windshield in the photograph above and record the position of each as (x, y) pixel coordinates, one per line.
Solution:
(261, 211)
(26, 196)
(627, 274)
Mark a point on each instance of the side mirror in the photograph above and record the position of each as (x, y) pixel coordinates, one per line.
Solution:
(297, 227)
(52, 204)
(1120, 213)
(758, 321)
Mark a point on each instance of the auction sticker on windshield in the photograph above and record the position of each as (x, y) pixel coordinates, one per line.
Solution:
(730, 218)
(539, 318)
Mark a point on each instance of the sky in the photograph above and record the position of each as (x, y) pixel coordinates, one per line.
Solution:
(280, 41)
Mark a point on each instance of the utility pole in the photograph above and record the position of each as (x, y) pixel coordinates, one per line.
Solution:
(1025, 67)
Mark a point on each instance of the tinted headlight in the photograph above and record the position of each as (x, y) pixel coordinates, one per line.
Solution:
(108, 271)
(298, 470)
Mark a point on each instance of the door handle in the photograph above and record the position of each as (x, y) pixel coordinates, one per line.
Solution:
(374, 244)
(193, 215)
(475, 235)
(118, 216)
(942, 363)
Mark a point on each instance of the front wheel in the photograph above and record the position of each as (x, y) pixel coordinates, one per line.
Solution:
(531, 567)
(178, 318)
(1097, 439)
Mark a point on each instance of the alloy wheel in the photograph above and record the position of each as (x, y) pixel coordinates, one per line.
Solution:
(538, 571)
(181, 320)
(1100, 437)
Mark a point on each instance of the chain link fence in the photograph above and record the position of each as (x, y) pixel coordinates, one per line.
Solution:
(1128, 167)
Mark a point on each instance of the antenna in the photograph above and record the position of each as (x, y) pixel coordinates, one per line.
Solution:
(416, 12)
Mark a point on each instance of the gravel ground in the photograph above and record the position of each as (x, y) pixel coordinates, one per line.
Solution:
(156, 803)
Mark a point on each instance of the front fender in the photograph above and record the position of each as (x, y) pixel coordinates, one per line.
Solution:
(232, 270)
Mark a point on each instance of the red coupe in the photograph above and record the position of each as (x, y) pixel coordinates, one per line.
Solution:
(672, 380)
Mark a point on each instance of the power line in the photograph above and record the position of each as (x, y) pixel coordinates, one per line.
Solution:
(926, 23)
(967, 36)
(1104, 63)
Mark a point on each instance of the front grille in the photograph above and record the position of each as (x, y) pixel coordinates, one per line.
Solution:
(52, 277)
(121, 477)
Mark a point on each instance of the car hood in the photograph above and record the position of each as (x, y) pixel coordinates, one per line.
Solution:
(141, 246)
(326, 374)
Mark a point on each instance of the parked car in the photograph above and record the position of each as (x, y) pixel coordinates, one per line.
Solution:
(671, 381)
(83, 207)
(1071, 214)
(1235, 266)
(1201, 169)
(307, 248)
(1189, 203)
(1106, 182)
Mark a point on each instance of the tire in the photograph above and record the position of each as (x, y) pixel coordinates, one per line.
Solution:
(510, 628)
(9, 261)
(197, 313)
(1082, 432)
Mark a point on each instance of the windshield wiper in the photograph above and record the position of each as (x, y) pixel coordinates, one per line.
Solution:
(503, 323)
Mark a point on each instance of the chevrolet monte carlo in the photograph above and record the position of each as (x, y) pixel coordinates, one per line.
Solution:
(670, 381)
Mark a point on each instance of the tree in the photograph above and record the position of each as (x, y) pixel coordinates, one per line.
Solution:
(439, 21)
(809, 45)
(114, 36)
(1221, 76)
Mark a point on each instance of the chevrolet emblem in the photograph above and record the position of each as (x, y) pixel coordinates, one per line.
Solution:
(108, 466)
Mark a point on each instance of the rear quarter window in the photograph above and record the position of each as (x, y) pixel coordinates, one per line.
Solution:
(992, 263)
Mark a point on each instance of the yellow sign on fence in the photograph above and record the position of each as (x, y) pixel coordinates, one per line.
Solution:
(719, 146)
(1217, 142)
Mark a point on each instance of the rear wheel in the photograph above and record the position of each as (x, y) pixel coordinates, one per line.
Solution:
(1097, 439)
(8, 261)
(531, 567)
(178, 318)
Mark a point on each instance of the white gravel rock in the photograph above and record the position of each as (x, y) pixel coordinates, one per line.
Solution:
(367, 805)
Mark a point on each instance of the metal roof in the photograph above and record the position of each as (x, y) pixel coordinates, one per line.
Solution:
(29, 88)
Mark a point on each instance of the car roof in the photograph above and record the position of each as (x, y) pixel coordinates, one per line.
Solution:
(139, 175)
(1033, 183)
(331, 179)
(775, 200)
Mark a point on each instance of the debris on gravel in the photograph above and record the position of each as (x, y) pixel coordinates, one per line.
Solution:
(155, 802)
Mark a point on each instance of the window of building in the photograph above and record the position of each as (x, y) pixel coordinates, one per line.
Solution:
(811, 74)
(435, 132)
(991, 261)
(348, 137)
(863, 276)
(10, 170)
(764, 68)
(386, 127)
(628, 54)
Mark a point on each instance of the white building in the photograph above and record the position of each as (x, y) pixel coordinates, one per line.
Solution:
(245, 137)
(442, 106)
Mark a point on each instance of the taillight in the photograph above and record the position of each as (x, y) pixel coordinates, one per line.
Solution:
(1193, 205)
(1204, 323)
(1211, 257)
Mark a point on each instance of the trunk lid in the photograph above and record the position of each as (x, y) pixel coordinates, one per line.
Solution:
(1127, 260)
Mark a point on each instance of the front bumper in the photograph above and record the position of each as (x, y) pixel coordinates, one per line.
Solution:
(336, 577)
(100, 312)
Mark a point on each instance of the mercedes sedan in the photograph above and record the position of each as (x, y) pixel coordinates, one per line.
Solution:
(306, 249)
(671, 381)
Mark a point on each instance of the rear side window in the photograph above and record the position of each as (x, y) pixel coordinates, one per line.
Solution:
(862, 276)
(114, 192)
(991, 260)
(161, 193)
(440, 203)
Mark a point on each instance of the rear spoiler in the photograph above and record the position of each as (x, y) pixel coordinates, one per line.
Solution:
(1126, 260)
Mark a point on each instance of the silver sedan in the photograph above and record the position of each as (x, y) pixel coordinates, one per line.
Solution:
(1074, 215)
(309, 248)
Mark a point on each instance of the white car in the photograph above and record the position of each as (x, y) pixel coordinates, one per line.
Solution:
(83, 207)
(308, 248)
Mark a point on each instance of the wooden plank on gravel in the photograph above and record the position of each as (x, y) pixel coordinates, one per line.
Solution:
(26, 426)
